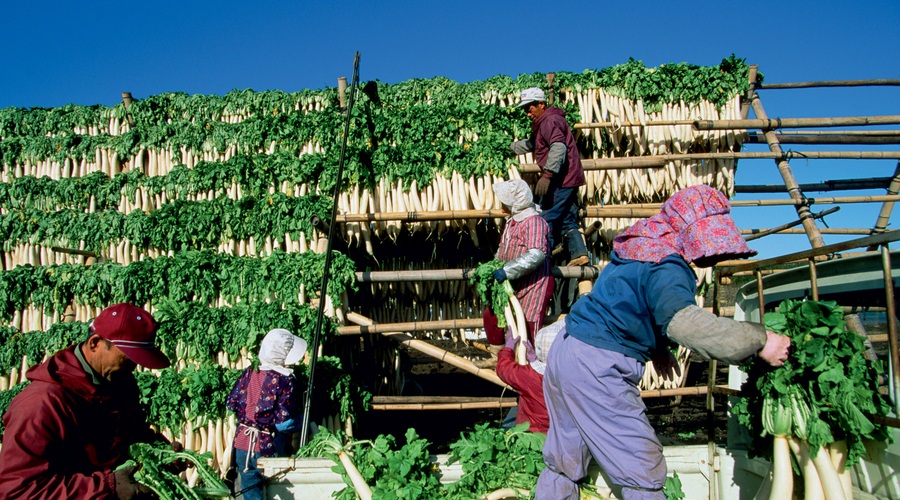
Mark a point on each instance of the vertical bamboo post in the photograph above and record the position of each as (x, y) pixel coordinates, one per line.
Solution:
(127, 100)
(892, 325)
(745, 100)
(342, 91)
(711, 403)
(759, 295)
(884, 216)
(551, 94)
(813, 279)
(784, 167)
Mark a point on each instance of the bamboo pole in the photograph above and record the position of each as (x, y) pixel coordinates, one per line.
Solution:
(342, 91)
(776, 123)
(440, 403)
(649, 123)
(834, 185)
(461, 274)
(745, 99)
(884, 215)
(831, 83)
(759, 233)
(633, 210)
(607, 163)
(430, 350)
(127, 99)
(892, 324)
(412, 326)
(863, 133)
(551, 94)
(763, 202)
(825, 139)
(784, 167)
(817, 200)
(878, 239)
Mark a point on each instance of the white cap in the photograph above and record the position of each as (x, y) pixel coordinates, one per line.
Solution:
(530, 95)
(280, 349)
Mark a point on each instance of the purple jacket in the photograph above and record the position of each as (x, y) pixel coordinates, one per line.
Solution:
(552, 127)
(277, 403)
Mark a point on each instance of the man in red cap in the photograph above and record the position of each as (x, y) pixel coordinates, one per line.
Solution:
(72, 425)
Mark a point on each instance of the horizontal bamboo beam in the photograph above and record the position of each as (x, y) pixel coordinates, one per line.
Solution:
(786, 155)
(797, 230)
(640, 210)
(763, 232)
(875, 133)
(471, 403)
(835, 185)
(821, 200)
(637, 210)
(412, 326)
(648, 123)
(825, 139)
(607, 163)
(74, 251)
(581, 272)
(440, 403)
(878, 239)
(663, 160)
(776, 123)
(433, 351)
(622, 212)
(830, 83)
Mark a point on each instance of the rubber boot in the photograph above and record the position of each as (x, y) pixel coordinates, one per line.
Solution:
(490, 362)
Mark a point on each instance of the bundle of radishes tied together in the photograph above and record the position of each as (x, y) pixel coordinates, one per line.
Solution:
(818, 408)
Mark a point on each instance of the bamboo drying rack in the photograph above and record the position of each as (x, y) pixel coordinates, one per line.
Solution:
(770, 132)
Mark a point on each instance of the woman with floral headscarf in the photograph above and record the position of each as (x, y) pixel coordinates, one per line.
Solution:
(643, 298)
(525, 248)
(266, 406)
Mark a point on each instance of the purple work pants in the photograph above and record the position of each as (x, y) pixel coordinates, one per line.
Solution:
(596, 410)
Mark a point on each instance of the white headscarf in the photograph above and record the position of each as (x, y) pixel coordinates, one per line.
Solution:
(542, 342)
(516, 195)
(280, 349)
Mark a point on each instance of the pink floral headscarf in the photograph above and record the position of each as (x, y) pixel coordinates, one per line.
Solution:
(693, 223)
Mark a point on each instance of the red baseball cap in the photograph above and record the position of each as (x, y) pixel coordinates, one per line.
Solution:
(132, 330)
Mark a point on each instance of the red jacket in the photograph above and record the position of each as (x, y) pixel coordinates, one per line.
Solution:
(530, 386)
(64, 435)
(552, 127)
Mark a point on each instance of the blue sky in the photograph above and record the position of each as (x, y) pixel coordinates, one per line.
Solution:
(54, 52)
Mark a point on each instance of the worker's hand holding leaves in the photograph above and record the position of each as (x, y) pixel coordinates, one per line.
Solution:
(127, 488)
(775, 352)
(500, 275)
(178, 466)
(543, 184)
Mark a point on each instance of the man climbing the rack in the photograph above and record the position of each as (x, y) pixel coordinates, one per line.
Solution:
(561, 173)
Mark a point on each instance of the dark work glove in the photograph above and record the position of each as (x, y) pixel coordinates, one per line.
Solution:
(178, 466)
(129, 489)
(543, 184)
(500, 275)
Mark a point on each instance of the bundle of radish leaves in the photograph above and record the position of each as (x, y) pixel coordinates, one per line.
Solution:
(818, 407)
(501, 297)
(154, 462)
